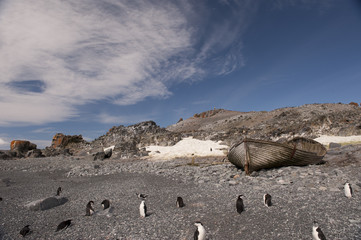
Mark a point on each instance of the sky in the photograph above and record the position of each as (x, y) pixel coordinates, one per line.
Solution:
(82, 67)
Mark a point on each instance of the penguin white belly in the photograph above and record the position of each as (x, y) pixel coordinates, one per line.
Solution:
(315, 234)
(142, 209)
(348, 191)
(202, 233)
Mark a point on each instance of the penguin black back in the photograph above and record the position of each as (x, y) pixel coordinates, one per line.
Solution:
(89, 210)
(25, 230)
(239, 204)
(63, 225)
(106, 204)
(58, 191)
(317, 234)
(180, 202)
(141, 195)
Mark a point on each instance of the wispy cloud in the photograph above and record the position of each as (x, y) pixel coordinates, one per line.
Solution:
(58, 55)
(44, 130)
(121, 119)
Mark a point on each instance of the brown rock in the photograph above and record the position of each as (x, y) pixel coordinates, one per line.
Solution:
(62, 141)
(22, 146)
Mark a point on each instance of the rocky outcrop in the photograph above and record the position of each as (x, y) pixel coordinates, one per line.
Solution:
(130, 142)
(21, 147)
(7, 155)
(35, 153)
(67, 141)
(66, 145)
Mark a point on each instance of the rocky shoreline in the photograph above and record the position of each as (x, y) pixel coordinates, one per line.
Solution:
(209, 187)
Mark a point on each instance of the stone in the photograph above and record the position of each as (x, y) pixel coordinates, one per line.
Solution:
(6, 155)
(232, 182)
(334, 145)
(46, 203)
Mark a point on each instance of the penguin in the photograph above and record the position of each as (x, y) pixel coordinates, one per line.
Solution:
(317, 234)
(348, 190)
(105, 204)
(63, 225)
(180, 202)
(141, 195)
(143, 209)
(89, 210)
(25, 230)
(239, 204)
(267, 199)
(58, 191)
(200, 233)
(1, 199)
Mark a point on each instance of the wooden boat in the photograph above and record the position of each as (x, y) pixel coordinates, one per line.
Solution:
(252, 155)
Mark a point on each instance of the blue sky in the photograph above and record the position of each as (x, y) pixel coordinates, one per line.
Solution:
(81, 67)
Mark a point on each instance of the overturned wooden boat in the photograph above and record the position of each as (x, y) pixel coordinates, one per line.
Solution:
(252, 155)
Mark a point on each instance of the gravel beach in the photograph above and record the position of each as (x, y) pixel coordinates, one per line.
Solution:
(209, 187)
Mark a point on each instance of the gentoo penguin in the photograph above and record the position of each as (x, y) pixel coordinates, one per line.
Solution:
(89, 210)
(141, 195)
(63, 225)
(58, 191)
(267, 199)
(239, 204)
(348, 190)
(143, 209)
(180, 202)
(25, 230)
(105, 204)
(317, 234)
(200, 233)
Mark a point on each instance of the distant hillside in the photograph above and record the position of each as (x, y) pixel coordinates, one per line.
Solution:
(311, 120)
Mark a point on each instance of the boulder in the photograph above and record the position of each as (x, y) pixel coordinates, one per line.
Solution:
(35, 153)
(99, 156)
(21, 146)
(46, 203)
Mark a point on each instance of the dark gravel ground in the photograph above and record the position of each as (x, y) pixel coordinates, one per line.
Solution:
(296, 205)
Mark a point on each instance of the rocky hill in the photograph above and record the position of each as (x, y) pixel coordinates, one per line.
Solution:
(311, 120)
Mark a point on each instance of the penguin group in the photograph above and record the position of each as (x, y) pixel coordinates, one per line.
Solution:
(200, 232)
(89, 209)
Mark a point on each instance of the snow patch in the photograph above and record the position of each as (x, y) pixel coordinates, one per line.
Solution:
(188, 147)
(324, 139)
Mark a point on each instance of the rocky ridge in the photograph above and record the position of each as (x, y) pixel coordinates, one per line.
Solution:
(128, 142)
(310, 120)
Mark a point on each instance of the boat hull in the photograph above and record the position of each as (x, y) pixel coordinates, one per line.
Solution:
(252, 155)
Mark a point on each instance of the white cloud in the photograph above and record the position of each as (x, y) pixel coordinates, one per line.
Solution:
(3, 142)
(84, 51)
